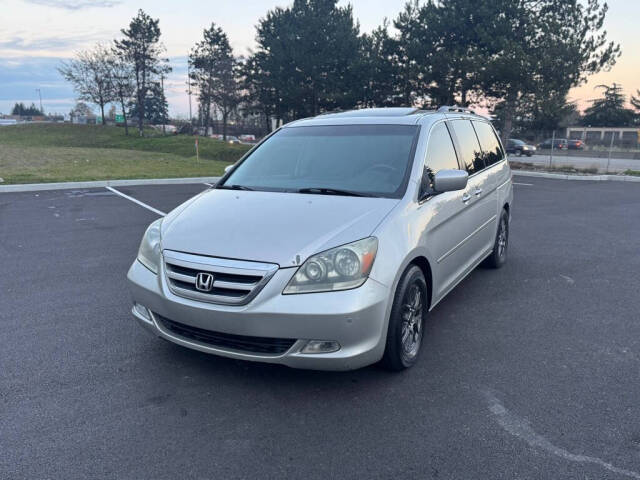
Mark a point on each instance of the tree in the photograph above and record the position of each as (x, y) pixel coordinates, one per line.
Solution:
(503, 52)
(215, 73)
(141, 48)
(82, 109)
(122, 84)
(542, 48)
(260, 96)
(308, 57)
(378, 70)
(226, 96)
(21, 109)
(410, 55)
(154, 109)
(538, 115)
(441, 50)
(635, 103)
(89, 74)
(609, 110)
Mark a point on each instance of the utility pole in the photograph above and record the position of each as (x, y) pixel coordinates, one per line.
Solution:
(40, 95)
(164, 117)
(189, 86)
(553, 141)
(610, 148)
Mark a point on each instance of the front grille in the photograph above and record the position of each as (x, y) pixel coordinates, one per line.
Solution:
(235, 282)
(227, 341)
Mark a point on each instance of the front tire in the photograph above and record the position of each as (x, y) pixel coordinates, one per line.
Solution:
(498, 256)
(407, 320)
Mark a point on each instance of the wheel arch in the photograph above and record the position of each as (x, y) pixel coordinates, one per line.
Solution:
(423, 263)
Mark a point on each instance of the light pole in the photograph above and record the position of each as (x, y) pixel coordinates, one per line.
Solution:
(40, 96)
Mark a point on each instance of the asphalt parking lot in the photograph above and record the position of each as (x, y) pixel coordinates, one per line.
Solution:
(532, 371)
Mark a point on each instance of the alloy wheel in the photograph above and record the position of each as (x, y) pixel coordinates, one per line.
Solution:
(503, 238)
(412, 310)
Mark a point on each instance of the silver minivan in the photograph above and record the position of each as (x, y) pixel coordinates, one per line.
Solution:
(327, 244)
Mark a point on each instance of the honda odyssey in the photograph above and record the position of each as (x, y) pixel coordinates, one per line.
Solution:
(328, 243)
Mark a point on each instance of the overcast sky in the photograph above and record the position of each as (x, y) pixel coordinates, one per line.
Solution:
(35, 35)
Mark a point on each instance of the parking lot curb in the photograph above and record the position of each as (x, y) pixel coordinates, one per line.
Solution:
(33, 187)
(566, 176)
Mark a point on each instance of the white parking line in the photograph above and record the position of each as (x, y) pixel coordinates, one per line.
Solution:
(520, 428)
(142, 204)
(526, 184)
(208, 184)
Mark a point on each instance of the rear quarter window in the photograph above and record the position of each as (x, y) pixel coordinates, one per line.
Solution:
(491, 148)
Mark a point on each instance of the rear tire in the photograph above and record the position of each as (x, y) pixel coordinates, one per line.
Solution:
(498, 256)
(407, 320)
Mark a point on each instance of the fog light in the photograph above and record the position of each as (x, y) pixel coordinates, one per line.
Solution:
(142, 310)
(320, 346)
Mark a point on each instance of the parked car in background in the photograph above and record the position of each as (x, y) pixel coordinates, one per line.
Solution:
(558, 144)
(519, 147)
(233, 139)
(576, 144)
(326, 246)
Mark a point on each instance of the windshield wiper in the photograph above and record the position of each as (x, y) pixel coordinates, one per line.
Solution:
(332, 191)
(235, 187)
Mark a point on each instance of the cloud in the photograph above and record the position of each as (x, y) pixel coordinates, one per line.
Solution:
(25, 43)
(20, 77)
(76, 4)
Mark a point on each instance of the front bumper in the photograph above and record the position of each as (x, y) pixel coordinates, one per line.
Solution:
(356, 319)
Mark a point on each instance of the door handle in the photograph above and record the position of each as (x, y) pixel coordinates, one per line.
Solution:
(478, 191)
(466, 197)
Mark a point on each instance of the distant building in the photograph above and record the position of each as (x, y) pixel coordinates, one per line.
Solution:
(622, 136)
(82, 116)
(80, 119)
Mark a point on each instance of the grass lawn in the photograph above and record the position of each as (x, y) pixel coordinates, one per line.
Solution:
(635, 173)
(63, 152)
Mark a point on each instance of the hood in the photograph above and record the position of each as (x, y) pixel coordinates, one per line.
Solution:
(274, 227)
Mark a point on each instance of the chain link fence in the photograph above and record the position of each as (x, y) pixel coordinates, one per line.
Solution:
(579, 149)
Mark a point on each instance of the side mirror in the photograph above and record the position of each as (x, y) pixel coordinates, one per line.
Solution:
(450, 180)
(228, 167)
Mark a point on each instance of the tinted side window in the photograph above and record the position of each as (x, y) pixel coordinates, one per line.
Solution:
(488, 141)
(440, 156)
(469, 152)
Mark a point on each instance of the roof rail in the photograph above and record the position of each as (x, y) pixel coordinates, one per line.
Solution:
(455, 108)
(374, 112)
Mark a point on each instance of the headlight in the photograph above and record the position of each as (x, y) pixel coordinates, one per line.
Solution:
(340, 268)
(149, 251)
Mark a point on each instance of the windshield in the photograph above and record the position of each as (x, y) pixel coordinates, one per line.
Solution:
(516, 142)
(370, 160)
